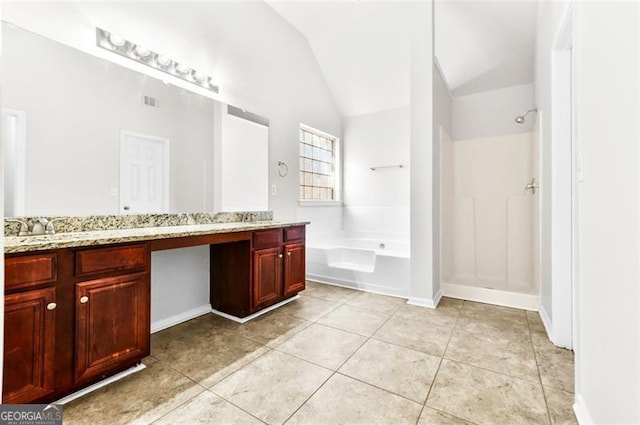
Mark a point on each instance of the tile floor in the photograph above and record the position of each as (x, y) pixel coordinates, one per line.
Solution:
(338, 356)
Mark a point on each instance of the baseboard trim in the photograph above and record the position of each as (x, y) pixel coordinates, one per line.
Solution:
(179, 318)
(359, 286)
(254, 315)
(98, 385)
(581, 411)
(546, 320)
(491, 296)
(426, 302)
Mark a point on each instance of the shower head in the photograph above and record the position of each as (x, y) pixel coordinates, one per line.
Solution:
(520, 118)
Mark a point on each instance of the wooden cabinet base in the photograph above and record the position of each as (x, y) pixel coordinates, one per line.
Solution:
(112, 323)
(75, 316)
(29, 344)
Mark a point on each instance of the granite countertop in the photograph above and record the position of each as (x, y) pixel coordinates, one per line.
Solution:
(14, 244)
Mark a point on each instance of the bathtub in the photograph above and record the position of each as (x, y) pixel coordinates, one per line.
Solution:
(373, 262)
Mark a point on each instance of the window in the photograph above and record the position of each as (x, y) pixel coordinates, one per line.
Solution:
(319, 165)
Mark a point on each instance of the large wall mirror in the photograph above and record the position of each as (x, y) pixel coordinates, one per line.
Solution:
(87, 136)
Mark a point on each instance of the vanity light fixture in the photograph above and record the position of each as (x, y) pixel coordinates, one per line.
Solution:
(116, 44)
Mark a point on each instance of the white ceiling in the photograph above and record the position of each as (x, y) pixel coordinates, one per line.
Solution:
(485, 45)
(363, 47)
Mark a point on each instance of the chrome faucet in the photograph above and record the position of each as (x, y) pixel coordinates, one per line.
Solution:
(24, 227)
(49, 228)
(39, 226)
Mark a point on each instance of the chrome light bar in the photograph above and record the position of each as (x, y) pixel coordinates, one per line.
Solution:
(116, 44)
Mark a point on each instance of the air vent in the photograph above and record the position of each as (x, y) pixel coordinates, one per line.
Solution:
(150, 101)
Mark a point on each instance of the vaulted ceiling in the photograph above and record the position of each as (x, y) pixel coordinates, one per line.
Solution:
(363, 47)
(485, 45)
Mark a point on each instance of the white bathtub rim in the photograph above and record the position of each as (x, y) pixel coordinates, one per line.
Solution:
(380, 252)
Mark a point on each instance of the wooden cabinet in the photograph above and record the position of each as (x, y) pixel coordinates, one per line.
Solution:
(294, 269)
(112, 323)
(76, 315)
(72, 317)
(267, 277)
(279, 270)
(247, 276)
(29, 345)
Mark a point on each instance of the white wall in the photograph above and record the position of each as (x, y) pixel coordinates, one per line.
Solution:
(492, 113)
(607, 110)
(242, 166)
(260, 62)
(325, 220)
(423, 289)
(175, 298)
(377, 201)
(442, 121)
(550, 18)
(74, 114)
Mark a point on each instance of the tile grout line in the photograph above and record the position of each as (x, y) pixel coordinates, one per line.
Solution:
(334, 372)
(535, 356)
(435, 375)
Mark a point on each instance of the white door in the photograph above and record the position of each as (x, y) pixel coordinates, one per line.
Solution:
(14, 136)
(144, 174)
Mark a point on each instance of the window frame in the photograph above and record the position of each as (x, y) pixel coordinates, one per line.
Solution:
(337, 167)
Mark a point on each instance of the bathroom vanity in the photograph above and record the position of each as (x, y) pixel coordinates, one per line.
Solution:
(77, 304)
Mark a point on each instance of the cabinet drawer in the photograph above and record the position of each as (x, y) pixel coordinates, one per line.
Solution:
(267, 238)
(116, 259)
(30, 270)
(294, 234)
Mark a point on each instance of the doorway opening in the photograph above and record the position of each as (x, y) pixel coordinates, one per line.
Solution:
(14, 124)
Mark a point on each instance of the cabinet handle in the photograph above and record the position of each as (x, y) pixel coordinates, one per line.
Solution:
(279, 255)
(51, 306)
(84, 299)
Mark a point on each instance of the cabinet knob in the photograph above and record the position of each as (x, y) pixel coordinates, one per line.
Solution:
(279, 255)
(51, 306)
(84, 299)
(288, 254)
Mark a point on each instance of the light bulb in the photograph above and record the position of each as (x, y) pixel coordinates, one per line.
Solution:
(163, 61)
(200, 77)
(182, 69)
(116, 40)
(141, 52)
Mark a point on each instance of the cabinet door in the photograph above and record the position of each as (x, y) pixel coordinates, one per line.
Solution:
(112, 323)
(29, 345)
(294, 271)
(267, 277)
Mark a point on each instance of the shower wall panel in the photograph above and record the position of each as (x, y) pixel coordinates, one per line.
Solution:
(488, 217)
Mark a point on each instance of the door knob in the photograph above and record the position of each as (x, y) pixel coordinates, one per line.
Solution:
(51, 306)
(532, 186)
(84, 299)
